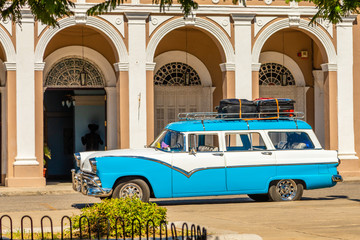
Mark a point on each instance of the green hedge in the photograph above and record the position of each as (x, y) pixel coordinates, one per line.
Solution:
(128, 209)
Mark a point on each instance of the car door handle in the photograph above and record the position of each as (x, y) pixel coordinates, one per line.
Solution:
(266, 153)
(218, 154)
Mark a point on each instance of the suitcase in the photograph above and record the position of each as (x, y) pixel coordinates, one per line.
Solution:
(237, 108)
(284, 106)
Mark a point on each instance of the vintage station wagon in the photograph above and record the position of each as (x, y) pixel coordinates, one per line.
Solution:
(267, 159)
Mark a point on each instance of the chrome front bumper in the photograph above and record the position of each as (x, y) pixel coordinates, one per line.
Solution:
(337, 178)
(88, 184)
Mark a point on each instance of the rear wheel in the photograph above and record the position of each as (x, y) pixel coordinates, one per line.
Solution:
(259, 197)
(286, 190)
(132, 188)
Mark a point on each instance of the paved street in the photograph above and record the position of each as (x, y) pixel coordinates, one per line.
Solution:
(322, 214)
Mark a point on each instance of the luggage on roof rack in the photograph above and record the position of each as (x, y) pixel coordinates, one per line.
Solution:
(275, 105)
(229, 116)
(237, 108)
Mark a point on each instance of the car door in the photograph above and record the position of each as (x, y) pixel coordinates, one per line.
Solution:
(200, 170)
(249, 162)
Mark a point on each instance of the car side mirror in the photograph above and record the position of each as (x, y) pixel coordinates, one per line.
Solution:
(192, 151)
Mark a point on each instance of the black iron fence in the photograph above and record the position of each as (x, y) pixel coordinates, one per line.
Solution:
(101, 230)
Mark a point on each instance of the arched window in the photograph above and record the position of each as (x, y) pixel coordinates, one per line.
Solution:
(271, 74)
(66, 74)
(173, 74)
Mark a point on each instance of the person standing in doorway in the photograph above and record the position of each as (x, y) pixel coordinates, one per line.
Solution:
(92, 140)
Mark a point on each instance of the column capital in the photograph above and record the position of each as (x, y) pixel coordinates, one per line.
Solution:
(347, 21)
(110, 90)
(329, 67)
(39, 66)
(27, 16)
(242, 20)
(137, 17)
(10, 66)
(150, 66)
(226, 67)
(255, 67)
(121, 67)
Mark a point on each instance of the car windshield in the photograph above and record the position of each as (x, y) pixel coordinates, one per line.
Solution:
(169, 141)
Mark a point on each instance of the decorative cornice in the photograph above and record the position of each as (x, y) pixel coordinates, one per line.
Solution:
(10, 66)
(226, 67)
(136, 18)
(329, 67)
(347, 21)
(39, 66)
(294, 20)
(150, 66)
(255, 67)
(242, 20)
(27, 16)
(121, 67)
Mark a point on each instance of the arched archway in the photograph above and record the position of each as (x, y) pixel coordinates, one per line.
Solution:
(199, 23)
(70, 105)
(316, 33)
(96, 23)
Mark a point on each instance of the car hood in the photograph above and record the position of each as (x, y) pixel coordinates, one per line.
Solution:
(86, 156)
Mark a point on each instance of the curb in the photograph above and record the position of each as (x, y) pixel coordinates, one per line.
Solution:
(234, 237)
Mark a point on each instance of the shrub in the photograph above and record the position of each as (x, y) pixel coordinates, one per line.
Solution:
(130, 210)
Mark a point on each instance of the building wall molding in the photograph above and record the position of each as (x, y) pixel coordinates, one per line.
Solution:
(97, 23)
(200, 23)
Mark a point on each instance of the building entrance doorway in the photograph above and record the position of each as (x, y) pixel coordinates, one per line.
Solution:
(67, 115)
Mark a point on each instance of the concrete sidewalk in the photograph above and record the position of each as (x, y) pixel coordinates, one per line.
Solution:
(53, 188)
(58, 188)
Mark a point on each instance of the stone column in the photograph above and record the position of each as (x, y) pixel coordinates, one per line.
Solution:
(345, 80)
(330, 106)
(137, 78)
(111, 115)
(27, 168)
(10, 109)
(150, 102)
(122, 110)
(319, 105)
(255, 80)
(25, 92)
(228, 87)
(39, 117)
(243, 58)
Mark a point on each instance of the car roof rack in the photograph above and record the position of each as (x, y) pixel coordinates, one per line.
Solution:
(243, 116)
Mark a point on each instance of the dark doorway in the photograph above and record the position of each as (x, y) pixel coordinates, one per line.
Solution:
(67, 114)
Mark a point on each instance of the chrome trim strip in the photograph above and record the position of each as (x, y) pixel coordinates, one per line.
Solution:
(189, 174)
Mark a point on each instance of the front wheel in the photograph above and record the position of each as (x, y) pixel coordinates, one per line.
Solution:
(132, 188)
(286, 190)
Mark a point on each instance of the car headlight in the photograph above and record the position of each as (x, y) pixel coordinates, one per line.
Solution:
(77, 159)
(93, 165)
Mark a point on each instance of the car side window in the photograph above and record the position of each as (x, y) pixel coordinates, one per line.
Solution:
(244, 142)
(204, 142)
(291, 140)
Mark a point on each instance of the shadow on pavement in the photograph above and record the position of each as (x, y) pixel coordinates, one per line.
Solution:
(201, 201)
(82, 205)
(332, 197)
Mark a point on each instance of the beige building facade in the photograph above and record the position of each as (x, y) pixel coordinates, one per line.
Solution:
(141, 68)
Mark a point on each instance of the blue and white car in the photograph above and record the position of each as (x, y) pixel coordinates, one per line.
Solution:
(267, 159)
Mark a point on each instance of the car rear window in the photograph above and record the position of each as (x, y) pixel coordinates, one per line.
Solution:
(291, 140)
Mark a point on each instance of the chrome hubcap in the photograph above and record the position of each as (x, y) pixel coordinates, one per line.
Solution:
(287, 189)
(130, 190)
